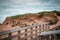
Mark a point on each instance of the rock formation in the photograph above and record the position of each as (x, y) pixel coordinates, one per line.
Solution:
(28, 19)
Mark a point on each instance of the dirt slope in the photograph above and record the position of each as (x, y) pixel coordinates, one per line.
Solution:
(28, 19)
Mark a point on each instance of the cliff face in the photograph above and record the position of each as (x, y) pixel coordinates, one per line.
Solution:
(28, 19)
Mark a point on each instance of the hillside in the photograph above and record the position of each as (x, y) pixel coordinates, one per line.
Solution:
(29, 19)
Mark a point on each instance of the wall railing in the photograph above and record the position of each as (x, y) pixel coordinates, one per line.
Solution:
(24, 33)
(49, 35)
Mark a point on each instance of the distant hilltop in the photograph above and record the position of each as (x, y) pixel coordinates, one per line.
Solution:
(29, 19)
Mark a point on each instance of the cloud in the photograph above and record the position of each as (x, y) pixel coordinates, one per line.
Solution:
(14, 7)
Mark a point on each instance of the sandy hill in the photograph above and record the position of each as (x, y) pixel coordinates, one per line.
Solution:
(29, 19)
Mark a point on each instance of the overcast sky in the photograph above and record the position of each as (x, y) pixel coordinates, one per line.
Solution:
(14, 7)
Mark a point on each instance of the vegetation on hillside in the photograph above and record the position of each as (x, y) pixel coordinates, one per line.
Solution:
(18, 16)
(48, 16)
(44, 12)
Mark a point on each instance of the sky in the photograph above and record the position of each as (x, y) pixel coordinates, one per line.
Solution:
(15, 7)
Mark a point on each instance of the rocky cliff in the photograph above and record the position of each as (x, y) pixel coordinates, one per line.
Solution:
(29, 19)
